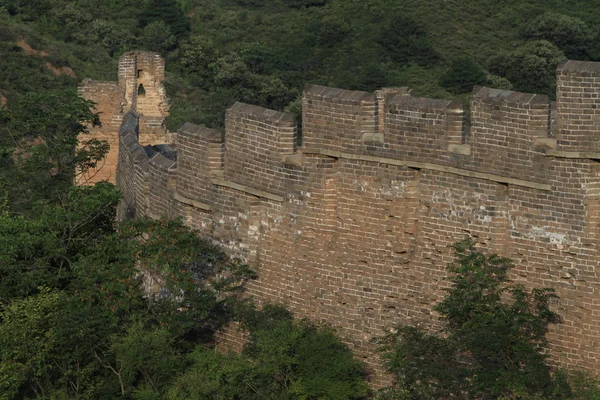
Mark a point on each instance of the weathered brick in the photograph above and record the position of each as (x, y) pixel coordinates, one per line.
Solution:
(353, 228)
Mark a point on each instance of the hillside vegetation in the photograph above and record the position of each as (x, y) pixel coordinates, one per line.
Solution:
(265, 51)
(93, 308)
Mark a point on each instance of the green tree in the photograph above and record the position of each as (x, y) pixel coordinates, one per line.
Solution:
(27, 10)
(462, 75)
(28, 344)
(42, 146)
(405, 40)
(113, 38)
(284, 359)
(101, 328)
(198, 58)
(42, 249)
(169, 12)
(213, 375)
(158, 37)
(495, 343)
(569, 34)
(307, 361)
(529, 68)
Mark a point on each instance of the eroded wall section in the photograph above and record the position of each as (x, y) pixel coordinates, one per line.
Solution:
(139, 88)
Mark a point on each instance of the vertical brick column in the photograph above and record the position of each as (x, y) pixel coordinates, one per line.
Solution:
(578, 106)
(505, 128)
(199, 155)
(336, 119)
(382, 95)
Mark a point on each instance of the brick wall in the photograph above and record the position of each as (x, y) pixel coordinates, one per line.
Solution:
(109, 104)
(162, 178)
(353, 228)
(113, 99)
(258, 143)
(336, 119)
(506, 128)
(199, 156)
(578, 105)
(132, 172)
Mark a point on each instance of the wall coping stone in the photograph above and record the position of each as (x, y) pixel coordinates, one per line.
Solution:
(130, 123)
(213, 135)
(261, 113)
(163, 162)
(93, 82)
(411, 102)
(343, 96)
(580, 68)
(193, 203)
(508, 96)
(430, 166)
(248, 190)
(573, 154)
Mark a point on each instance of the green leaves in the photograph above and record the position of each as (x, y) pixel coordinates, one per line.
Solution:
(463, 74)
(39, 151)
(298, 357)
(145, 358)
(495, 337)
(158, 37)
(28, 343)
(169, 13)
(569, 34)
(284, 359)
(425, 366)
(530, 67)
(405, 40)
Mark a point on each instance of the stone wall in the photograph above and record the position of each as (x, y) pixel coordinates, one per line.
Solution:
(353, 228)
(113, 99)
(109, 99)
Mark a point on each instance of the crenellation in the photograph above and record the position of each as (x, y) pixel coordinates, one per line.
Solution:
(422, 129)
(162, 172)
(382, 95)
(578, 106)
(258, 141)
(354, 227)
(337, 119)
(200, 157)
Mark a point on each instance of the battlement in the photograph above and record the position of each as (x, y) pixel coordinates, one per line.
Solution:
(336, 119)
(353, 226)
(578, 106)
(506, 138)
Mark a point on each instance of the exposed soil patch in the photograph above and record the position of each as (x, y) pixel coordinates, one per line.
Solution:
(40, 53)
(30, 50)
(60, 71)
(3, 100)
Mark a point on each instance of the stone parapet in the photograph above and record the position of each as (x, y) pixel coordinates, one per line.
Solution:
(353, 228)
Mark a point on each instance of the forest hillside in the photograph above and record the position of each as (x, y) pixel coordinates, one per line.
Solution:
(94, 308)
(264, 51)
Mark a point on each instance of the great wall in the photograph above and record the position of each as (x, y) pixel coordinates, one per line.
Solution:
(352, 227)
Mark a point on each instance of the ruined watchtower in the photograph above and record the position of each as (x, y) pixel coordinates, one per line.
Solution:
(139, 88)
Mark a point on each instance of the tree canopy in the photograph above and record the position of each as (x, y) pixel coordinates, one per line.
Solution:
(95, 308)
(493, 344)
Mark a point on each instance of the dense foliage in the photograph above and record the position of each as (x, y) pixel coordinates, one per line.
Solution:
(264, 52)
(92, 309)
(492, 345)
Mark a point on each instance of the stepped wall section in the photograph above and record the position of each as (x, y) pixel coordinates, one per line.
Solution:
(353, 227)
